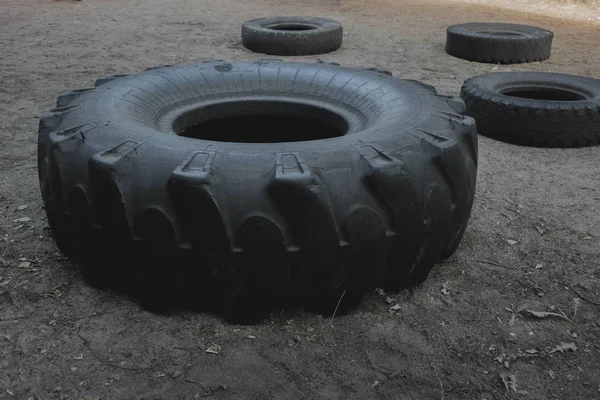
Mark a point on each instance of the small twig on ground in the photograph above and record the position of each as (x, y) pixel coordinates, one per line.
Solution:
(336, 307)
(439, 380)
(585, 298)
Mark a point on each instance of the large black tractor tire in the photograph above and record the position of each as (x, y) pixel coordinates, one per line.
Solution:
(236, 187)
(535, 108)
(292, 36)
(498, 43)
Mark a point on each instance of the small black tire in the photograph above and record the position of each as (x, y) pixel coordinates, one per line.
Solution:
(239, 227)
(498, 43)
(535, 108)
(292, 36)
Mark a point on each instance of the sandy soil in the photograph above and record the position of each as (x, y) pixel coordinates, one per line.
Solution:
(532, 243)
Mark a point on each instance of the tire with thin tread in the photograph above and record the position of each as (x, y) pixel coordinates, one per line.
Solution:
(292, 36)
(238, 228)
(498, 43)
(535, 108)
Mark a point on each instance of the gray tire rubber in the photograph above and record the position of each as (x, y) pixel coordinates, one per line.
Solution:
(573, 121)
(498, 43)
(239, 228)
(283, 35)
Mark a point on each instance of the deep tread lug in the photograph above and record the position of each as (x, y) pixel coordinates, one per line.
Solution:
(389, 181)
(68, 97)
(159, 67)
(196, 190)
(379, 71)
(107, 79)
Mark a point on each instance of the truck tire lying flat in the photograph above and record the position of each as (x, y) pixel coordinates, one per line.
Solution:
(498, 43)
(292, 36)
(535, 108)
(241, 186)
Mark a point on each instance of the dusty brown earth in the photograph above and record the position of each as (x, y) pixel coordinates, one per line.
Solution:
(532, 244)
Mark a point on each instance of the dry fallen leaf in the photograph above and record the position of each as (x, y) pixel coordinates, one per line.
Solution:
(511, 384)
(395, 307)
(22, 219)
(543, 314)
(23, 207)
(562, 347)
(25, 264)
(532, 351)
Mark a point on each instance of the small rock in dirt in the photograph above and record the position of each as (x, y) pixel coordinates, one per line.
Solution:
(25, 264)
(22, 219)
(531, 351)
(511, 242)
(444, 289)
(395, 307)
(587, 238)
(310, 329)
(539, 266)
(214, 349)
(251, 337)
(23, 207)
(389, 300)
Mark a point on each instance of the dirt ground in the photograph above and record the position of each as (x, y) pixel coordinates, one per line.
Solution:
(467, 333)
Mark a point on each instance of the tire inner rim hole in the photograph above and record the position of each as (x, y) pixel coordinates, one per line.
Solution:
(501, 33)
(291, 27)
(541, 93)
(260, 122)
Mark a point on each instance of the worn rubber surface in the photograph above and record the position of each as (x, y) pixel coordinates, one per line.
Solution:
(238, 228)
(498, 43)
(535, 122)
(265, 35)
